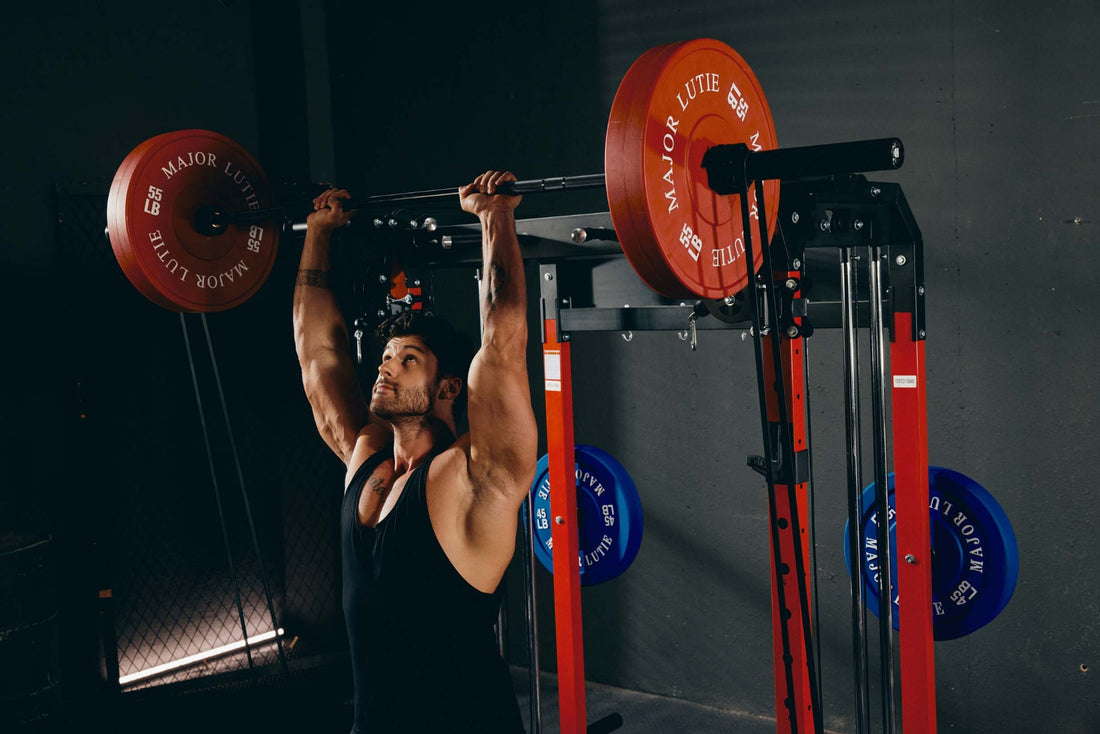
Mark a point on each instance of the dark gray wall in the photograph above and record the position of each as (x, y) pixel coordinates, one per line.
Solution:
(996, 104)
(84, 84)
(100, 443)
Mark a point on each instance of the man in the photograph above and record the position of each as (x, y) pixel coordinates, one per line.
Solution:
(429, 519)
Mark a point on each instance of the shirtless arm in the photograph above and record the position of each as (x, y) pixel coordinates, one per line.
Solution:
(503, 434)
(321, 341)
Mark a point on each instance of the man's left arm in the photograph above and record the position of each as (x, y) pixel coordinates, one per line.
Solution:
(503, 432)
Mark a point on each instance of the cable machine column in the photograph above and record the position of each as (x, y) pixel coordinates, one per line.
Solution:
(905, 265)
(563, 510)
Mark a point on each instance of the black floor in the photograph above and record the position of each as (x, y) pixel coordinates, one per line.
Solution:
(641, 713)
(315, 700)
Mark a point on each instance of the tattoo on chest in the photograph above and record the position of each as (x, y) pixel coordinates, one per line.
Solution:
(313, 278)
(376, 485)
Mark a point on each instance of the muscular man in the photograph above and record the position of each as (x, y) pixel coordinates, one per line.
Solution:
(429, 519)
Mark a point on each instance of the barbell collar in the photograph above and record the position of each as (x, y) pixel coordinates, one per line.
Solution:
(580, 235)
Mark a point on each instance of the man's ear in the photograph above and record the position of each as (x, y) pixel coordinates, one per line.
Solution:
(449, 388)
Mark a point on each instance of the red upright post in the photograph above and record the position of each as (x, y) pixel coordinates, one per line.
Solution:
(914, 544)
(563, 533)
(791, 372)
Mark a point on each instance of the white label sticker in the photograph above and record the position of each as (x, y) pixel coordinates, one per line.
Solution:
(905, 380)
(553, 386)
(551, 365)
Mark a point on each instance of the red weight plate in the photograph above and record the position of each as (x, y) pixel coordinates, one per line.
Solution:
(120, 243)
(623, 174)
(674, 103)
(117, 230)
(151, 221)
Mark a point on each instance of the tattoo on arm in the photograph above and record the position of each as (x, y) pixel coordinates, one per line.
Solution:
(498, 280)
(313, 278)
(376, 485)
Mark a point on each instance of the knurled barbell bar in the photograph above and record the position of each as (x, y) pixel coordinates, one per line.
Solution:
(214, 219)
(191, 221)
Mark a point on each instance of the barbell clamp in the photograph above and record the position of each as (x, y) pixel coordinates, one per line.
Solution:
(580, 235)
(758, 464)
(697, 310)
(358, 335)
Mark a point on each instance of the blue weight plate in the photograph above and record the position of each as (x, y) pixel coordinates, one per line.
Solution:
(975, 560)
(609, 515)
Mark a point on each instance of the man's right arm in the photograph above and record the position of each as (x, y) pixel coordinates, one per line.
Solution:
(321, 341)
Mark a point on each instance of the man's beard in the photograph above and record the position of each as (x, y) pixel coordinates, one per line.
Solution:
(411, 403)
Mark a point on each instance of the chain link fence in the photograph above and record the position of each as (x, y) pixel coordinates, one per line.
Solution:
(187, 557)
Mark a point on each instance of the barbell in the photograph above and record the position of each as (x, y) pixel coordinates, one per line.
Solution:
(192, 224)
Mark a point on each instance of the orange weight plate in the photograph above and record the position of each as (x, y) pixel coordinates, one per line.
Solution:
(675, 102)
(151, 213)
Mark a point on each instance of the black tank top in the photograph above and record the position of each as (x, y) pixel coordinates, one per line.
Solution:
(423, 651)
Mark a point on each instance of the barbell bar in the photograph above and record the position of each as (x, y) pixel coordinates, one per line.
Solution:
(191, 221)
(215, 220)
(723, 175)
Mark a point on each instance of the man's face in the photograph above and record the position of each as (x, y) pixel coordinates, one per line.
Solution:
(406, 382)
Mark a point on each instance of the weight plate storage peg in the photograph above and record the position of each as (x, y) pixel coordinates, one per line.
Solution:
(157, 200)
(975, 560)
(609, 515)
(674, 103)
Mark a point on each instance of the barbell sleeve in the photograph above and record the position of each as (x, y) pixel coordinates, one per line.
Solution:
(730, 166)
(883, 154)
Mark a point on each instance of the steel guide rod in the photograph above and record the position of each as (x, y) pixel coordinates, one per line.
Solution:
(850, 326)
(532, 618)
(882, 506)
